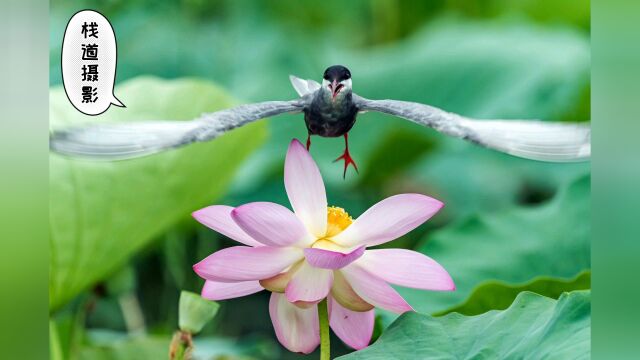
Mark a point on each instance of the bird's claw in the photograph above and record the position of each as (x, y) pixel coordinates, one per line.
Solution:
(348, 160)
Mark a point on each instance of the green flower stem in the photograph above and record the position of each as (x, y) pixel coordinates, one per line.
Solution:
(323, 315)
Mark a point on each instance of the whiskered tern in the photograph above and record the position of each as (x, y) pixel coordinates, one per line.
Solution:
(330, 109)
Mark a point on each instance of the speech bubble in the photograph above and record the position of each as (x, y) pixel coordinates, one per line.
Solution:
(89, 61)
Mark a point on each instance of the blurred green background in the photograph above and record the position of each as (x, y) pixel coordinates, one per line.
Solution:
(123, 243)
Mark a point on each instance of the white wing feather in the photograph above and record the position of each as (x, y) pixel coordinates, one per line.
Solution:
(121, 140)
(304, 87)
(537, 140)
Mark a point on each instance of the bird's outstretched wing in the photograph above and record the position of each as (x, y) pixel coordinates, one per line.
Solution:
(119, 141)
(531, 139)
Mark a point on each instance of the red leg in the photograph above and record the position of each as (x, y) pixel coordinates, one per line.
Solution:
(346, 156)
(308, 141)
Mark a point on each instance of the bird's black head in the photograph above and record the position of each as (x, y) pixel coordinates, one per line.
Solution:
(337, 73)
(337, 78)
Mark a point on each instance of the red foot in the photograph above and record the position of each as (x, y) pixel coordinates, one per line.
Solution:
(308, 141)
(348, 160)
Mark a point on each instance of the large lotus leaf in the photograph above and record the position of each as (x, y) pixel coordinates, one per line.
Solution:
(498, 295)
(515, 246)
(103, 212)
(534, 327)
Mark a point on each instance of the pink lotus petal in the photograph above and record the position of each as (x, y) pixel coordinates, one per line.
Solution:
(218, 218)
(271, 224)
(407, 268)
(374, 290)
(305, 189)
(305, 304)
(309, 284)
(243, 263)
(327, 259)
(388, 220)
(353, 327)
(214, 290)
(297, 329)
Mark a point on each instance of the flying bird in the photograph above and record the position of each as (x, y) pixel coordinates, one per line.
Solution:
(330, 110)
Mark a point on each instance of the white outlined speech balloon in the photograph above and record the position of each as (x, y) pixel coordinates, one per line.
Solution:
(89, 61)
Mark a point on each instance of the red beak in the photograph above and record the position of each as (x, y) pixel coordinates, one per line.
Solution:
(335, 88)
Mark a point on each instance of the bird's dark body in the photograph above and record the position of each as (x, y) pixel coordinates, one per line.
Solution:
(328, 118)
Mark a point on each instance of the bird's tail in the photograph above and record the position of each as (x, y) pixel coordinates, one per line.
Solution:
(121, 141)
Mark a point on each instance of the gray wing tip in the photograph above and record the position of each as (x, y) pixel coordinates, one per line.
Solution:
(89, 143)
(62, 143)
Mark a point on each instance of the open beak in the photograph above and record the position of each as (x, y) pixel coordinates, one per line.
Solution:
(335, 89)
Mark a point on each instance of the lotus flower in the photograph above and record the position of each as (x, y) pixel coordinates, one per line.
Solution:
(316, 252)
